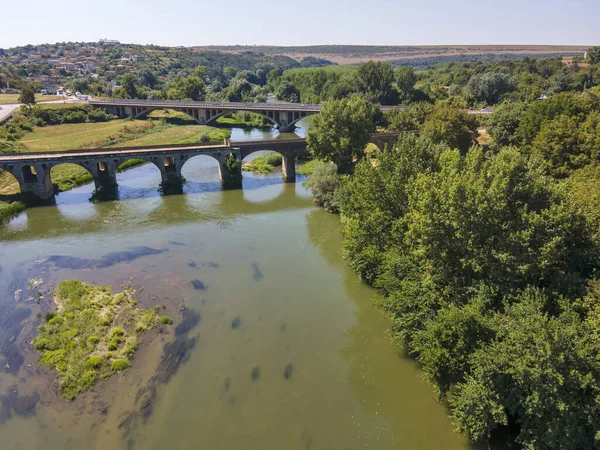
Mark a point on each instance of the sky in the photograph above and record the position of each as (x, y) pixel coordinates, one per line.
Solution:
(305, 22)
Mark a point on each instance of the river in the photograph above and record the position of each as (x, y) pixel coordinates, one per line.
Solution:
(275, 295)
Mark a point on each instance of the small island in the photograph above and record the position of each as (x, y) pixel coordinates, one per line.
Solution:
(93, 334)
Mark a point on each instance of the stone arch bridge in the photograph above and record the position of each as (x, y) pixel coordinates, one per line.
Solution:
(32, 170)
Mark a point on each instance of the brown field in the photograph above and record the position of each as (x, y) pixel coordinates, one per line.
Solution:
(357, 54)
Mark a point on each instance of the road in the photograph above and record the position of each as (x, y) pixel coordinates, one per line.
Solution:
(8, 110)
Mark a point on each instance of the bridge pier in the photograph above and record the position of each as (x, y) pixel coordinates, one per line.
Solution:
(288, 167)
(230, 170)
(105, 176)
(34, 180)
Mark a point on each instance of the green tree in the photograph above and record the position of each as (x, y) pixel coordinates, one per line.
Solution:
(504, 123)
(188, 88)
(322, 182)
(410, 118)
(559, 145)
(593, 55)
(27, 96)
(541, 373)
(375, 80)
(405, 80)
(288, 92)
(489, 87)
(129, 86)
(454, 127)
(341, 131)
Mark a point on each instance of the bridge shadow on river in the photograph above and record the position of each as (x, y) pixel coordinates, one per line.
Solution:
(202, 201)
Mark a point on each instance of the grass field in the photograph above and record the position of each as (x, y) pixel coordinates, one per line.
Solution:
(78, 135)
(181, 134)
(11, 99)
(163, 128)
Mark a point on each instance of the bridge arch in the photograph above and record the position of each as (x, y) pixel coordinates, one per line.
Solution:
(220, 113)
(196, 163)
(70, 174)
(288, 161)
(7, 177)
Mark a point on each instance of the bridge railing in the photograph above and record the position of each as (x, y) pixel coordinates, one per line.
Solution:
(209, 105)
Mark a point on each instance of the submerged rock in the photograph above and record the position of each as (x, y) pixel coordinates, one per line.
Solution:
(287, 372)
(283, 327)
(174, 354)
(190, 319)
(227, 384)
(236, 323)
(180, 244)
(110, 259)
(19, 405)
(256, 273)
(198, 285)
(255, 373)
(192, 263)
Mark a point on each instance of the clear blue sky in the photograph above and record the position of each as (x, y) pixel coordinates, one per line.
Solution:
(304, 22)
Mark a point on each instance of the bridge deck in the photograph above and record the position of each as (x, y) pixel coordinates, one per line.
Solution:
(268, 144)
(233, 106)
(229, 106)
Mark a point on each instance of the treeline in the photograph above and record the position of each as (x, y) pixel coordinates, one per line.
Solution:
(485, 258)
(459, 84)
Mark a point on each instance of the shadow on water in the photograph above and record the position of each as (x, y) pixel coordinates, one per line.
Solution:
(380, 375)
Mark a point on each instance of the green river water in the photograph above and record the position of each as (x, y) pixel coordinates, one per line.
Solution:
(275, 294)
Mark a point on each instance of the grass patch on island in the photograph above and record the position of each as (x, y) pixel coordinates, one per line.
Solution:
(264, 164)
(93, 334)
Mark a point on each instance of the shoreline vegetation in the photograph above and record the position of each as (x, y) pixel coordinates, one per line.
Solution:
(271, 161)
(485, 257)
(92, 334)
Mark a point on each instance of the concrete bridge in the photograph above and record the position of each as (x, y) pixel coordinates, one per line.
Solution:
(33, 170)
(282, 115)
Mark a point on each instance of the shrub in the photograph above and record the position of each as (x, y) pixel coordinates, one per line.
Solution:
(94, 361)
(117, 331)
(120, 364)
(166, 320)
(322, 182)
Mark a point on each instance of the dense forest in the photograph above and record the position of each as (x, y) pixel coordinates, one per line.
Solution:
(485, 256)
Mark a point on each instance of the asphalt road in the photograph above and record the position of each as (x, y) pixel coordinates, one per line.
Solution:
(8, 110)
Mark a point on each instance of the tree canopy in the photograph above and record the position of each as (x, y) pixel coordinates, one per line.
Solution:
(341, 131)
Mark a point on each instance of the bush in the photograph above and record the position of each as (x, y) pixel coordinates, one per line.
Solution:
(166, 320)
(120, 364)
(323, 182)
(94, 362)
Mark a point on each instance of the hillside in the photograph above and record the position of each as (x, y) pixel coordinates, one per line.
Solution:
(402, 55)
